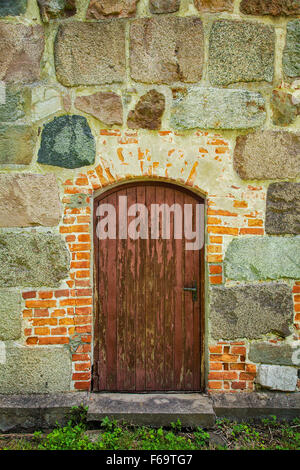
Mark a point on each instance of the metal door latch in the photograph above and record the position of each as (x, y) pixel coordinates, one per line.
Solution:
(193, 289)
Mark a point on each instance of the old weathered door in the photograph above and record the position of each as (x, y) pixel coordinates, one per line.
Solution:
(148, 331)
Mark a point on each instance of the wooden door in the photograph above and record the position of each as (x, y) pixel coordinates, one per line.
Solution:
(148, 332)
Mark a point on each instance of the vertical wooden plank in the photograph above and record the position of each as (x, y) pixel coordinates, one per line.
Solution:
(111, 333)
(141, 262)
(189, 309)
(179, 327)
(169, 200)
(121, 303)
(202, 313)
(159, 299)
(130, 301)
(150, 295)
(196, 312)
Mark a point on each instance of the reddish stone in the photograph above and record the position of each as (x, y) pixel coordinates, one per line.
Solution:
(148, 112)
(107, 107)
(21, 52)
(111, 8)
(211, 6)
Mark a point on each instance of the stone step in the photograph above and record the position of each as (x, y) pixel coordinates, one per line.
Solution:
(23, 413)
(193, 409)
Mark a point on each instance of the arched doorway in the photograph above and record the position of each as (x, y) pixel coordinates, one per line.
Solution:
(149, 285)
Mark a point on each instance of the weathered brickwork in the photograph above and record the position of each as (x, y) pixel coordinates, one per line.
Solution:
(296, 292)
(229, 371)
(200, 93)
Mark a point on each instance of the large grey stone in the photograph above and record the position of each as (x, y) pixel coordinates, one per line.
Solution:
(256, 405)
(262, 258)
(90, 53)
(283, 208)
(291, 53)
(15, 8)
(281, 378)
(27, 200)
(285, 108)
(213, 108)
(17, 144)
(21, 52)
(32, 260)
(166, 49)
(251, 311)
(267, 155)
(270, 7)
(10, 315)
(283, 354)
(16, 100)
(99, 9)
(52, 9)
(38, 411)
(240, 51)
(67, 142)
(30, 370)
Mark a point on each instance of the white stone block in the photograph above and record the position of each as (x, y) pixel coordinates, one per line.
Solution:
(45, 102)
(2, 92)
(2, 353)
(283, 378)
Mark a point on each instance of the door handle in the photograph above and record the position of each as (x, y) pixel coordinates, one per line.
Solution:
(194, 290)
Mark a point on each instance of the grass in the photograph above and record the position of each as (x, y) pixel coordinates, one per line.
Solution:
(268, 434)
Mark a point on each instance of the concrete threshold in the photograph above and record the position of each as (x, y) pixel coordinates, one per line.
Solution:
(24, 413)
(193, 409)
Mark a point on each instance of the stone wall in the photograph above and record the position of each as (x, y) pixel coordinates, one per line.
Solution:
(203, 93)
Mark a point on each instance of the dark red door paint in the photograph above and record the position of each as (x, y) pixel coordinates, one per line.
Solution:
(148, 330)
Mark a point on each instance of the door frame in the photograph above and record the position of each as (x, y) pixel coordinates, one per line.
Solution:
(103, 193)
